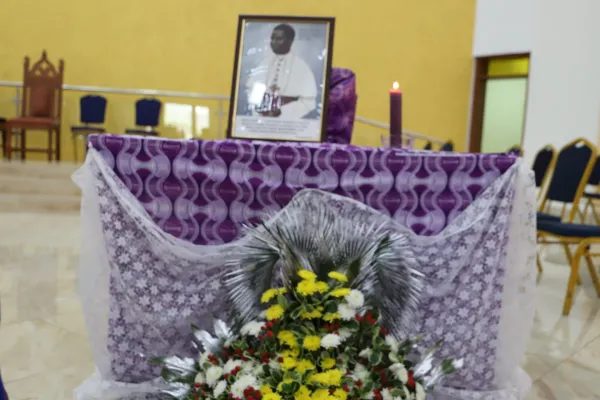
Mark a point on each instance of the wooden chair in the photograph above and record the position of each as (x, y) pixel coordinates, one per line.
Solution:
(41, 107)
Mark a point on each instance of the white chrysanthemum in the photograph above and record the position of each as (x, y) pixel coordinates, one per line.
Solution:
(252, 328)
(360, 372)
(212, 375)
(330, 341)
(248, 367)
(393, 343)
(199, 378)
(385, 393)
(355, 299)
(346, 312)
(419, 392)
(230, 365)
(258, 370)
(204, 358)
(241, 384)
(365, 353)
(220, 388)
(400, 371)
(345, 333)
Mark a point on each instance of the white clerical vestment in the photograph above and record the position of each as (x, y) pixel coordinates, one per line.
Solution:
(284, 76)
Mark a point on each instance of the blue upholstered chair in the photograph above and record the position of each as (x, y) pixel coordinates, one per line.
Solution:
(572, 170)
(541, 165)
(448, 146)
(592, 197)
(147, 117)
(92, 114)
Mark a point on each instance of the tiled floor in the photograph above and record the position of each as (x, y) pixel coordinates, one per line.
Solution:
(44, 352)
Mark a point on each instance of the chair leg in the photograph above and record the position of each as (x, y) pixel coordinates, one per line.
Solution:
(593, 274)
(570, 259)
(74, 137)
(57, 144)
(573, 277)
(539, 263)
(50, 145)
(594, 212)
(8, 142)
(23, 144)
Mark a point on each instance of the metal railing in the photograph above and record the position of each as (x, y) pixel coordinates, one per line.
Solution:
(411, 136)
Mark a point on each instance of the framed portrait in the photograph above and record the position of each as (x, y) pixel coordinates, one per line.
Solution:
(281, 78)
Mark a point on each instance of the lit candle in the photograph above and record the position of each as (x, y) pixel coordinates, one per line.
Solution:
(395, 116)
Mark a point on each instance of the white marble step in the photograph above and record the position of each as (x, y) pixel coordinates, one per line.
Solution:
(37, 169)
(34, 185)
(11, 202)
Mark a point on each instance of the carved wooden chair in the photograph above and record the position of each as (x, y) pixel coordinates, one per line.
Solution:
(41, 107)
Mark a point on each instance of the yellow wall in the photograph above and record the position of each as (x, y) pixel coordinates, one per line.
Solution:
(188, 45)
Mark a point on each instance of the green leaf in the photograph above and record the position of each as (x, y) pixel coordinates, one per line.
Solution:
(282, 301)
(277, 375)
(266, 369)
(376, 357)
(397, 392)
(289, 388)
(367, 387)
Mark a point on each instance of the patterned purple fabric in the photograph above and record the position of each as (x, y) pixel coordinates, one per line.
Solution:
(341, 109)
(204, 191)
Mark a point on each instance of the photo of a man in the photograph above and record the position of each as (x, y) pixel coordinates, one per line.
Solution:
(280, 77)
(283, 82)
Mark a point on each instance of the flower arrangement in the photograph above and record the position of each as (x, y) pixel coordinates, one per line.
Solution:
(317, 339)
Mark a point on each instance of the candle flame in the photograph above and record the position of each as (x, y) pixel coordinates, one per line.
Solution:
(395, 86)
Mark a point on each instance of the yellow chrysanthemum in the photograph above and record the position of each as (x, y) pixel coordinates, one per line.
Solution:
(280, 386)
(322, 287)
(271, 396)
(274, 312)
(311, 315)
(282, 290)
(288, 363)
(338, 276)
(265, 389)
(319, 394)
(287, 338)
(307, 275)
(304, 365)
(293, 352)
(331, 317)
(312, 342)
(268, 295)
(340, 394)
(302, 393)
(328, 363)
(341, 292)
(306, 288)
(334, 377)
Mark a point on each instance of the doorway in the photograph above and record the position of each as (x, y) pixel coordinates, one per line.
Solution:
(499, 103)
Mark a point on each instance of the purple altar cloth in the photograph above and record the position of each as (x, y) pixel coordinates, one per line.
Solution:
(204, 191)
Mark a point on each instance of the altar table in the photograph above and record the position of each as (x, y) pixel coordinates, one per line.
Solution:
(153, 206)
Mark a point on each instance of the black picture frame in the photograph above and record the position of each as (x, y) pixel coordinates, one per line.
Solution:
(238, 58)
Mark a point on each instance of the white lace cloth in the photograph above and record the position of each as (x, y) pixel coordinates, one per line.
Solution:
(141, 287)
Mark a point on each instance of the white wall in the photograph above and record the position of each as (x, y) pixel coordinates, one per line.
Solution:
(564, 77)
(503, 27)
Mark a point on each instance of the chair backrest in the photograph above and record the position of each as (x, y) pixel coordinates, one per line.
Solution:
(92, 109)
(42, 88)
(428, 146)
(448, 146)
(595, 175)
(147, 112)
(572, 170)
(541, 164)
